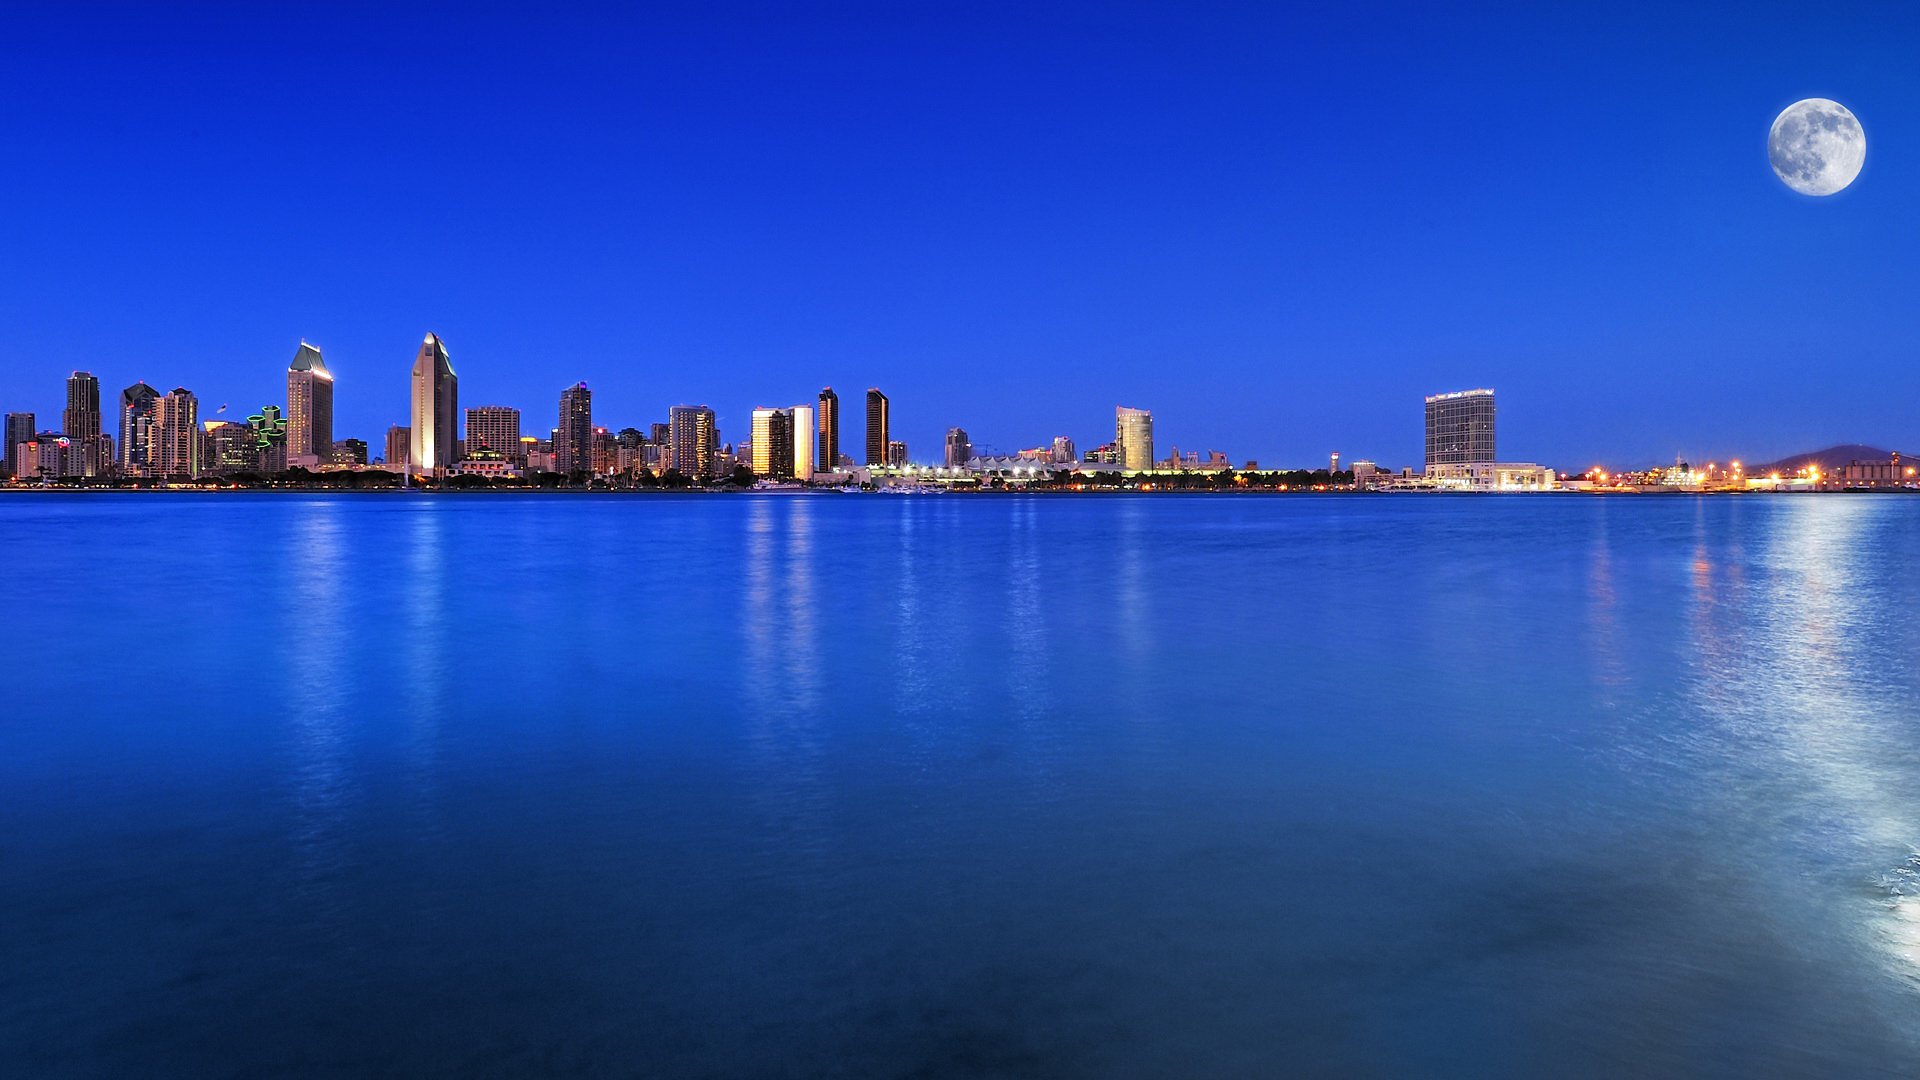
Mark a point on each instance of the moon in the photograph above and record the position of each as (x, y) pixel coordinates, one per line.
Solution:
(1816, 146)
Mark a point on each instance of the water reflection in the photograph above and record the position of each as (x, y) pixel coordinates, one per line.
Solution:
(314, 641)
(427, 644)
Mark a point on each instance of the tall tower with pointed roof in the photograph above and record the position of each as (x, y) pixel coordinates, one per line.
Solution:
(309, 408)
(436, 402)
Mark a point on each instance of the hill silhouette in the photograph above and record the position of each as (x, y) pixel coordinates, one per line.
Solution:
(1828, 460)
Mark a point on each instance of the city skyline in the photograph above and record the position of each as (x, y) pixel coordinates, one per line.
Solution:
(1023, 250)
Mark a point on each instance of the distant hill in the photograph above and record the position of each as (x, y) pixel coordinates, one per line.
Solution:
(1828, 460)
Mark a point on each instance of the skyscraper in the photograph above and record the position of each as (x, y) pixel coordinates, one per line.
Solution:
(496, 428)
(1133, 437)
(436, 397)
(176, 434)
(399, 445)
(828, 446)
(877, 427)
(19, 430)
(81, 422)
(137, 405)
(573, 438)
(694, 441)
(896, 453)
(309, 408)
(959, 447)
(1460, 428)
(772, 442)
(804, 442)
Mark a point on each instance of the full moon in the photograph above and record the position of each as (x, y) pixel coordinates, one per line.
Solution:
(1816, 146)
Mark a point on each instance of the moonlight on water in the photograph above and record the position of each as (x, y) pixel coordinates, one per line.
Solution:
(1816, 146)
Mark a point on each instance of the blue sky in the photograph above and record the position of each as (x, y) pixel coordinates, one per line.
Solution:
(1276, 225)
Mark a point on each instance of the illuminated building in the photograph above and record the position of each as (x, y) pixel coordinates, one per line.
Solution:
(350, 452)
(770, 446)
(176, 434)
(19, 430)
(436, 398)
(878, 430)
(573, 438)
(693, 441)
(1133, 438)
(896, 453)
(137, 405)
(399, 449)
(827, 451)
(1062, 450)
(959, 447)
(309, 409)
(496, 428)
(229, 448)
(82, 423)
(805, 443)
(1460, 428)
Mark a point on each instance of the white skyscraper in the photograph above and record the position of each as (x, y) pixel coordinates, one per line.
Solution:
(435, 404)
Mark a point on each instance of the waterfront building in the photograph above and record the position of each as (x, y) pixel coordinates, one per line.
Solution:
(827, 455)
(176, 434)
(1104, 454)
(1492, 476)
(352, 452)
(693, 442)
(573, 438)
(1062, 450)
(19, 430)
(896, 453)
(228, 448)
(1133, 438)
(1460, 428)
(805, 443)
(770, 446)
(436, 399)
(309, 409)
(497, 428)
(137, 405)
(1858, 473)
(45, 456)
(399, 449)
(959, 447)
(878, 427)
(82, 423)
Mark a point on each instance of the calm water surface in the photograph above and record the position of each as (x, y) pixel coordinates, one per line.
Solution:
(1081, 787)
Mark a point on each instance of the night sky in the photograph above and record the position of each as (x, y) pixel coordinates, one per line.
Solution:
(1275, 225)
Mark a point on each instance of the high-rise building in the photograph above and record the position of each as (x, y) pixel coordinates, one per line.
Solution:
(771, 444)
(805, 442)
(309, 408)
(350, 451)
(1133, 437)
(436, 399)
(1460, 428)
(137, 405)
(496, 428)
(959, 448)
(827, 447)
(82, 422)
(694, 441)
(229, 448)
(176, 434)
(877, 427)
(1062, 450)
(896, 453)
(19, 430)
(399, 446)
(573, 438)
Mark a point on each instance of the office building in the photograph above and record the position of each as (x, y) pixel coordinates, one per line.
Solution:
(309, 409)
(350, 452)
(137, 405)
(19, 430)
(176, 434)
(399, 446)
(770, 446)
(228, 448)
(1460, 428)
(693, 441)
(81, 419)
(896, 453)
(877, 427)
(959, 448)
(805, 443)
(573, 438)
(436, 399)
(1062, 450)
(1133, 438)
(495, 428)
(827, 450)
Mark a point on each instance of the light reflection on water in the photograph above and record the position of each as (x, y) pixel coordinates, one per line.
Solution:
(969, 786)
